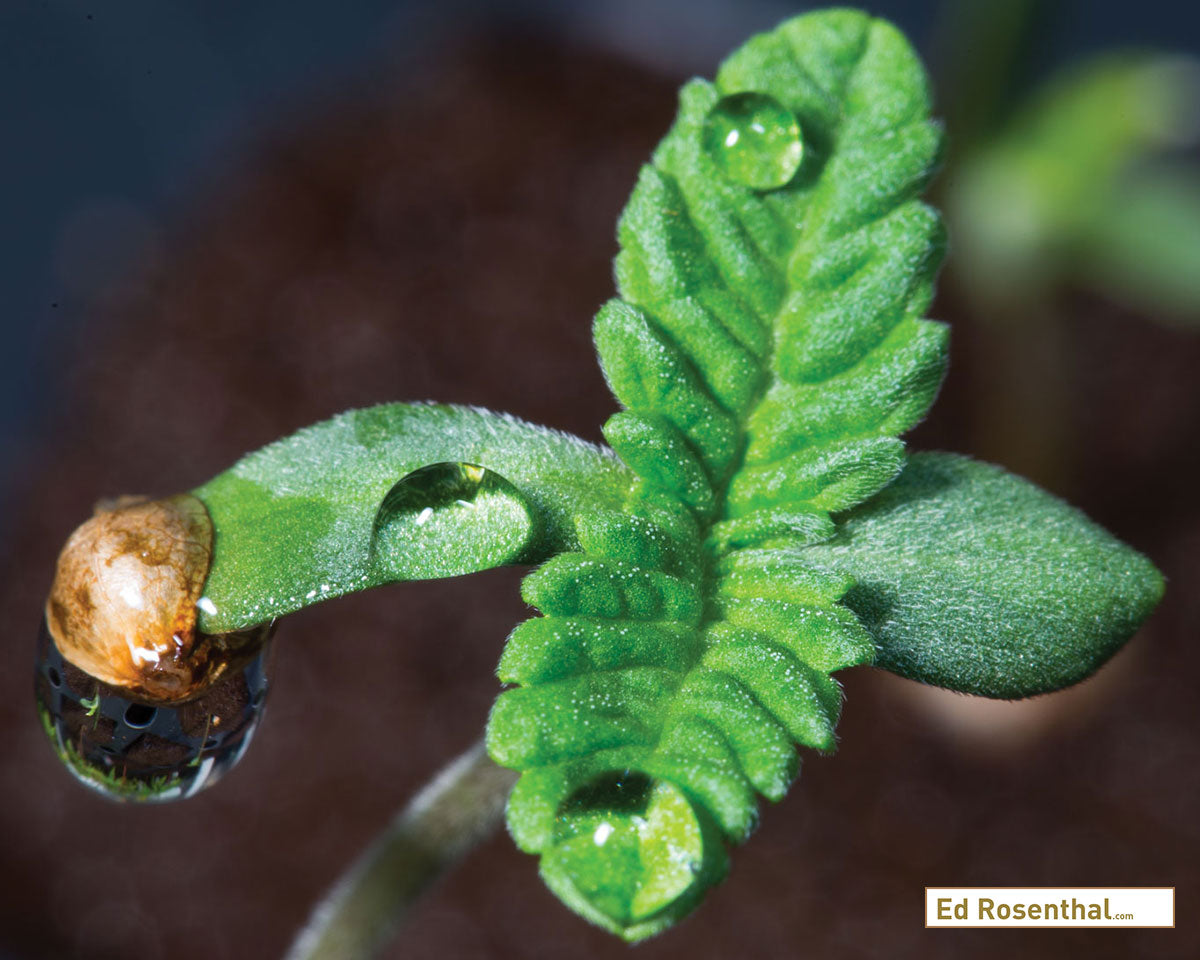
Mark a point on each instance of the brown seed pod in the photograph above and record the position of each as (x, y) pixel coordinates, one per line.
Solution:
(123, 603)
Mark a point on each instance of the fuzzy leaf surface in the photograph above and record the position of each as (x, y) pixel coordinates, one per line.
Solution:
(415, 491)
(767, 347)
(971, 578)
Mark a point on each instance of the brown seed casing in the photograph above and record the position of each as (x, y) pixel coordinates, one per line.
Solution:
(123, 603)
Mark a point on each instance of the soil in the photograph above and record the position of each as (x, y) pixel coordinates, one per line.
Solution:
(223, 706)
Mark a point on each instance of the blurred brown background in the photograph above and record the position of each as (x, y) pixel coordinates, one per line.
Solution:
(442, 228)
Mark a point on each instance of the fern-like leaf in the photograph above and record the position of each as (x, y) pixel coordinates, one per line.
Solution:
(767, 347)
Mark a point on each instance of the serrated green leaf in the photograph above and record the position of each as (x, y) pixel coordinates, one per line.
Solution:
(767, 347)
(414, 491)
(655, 449)
(973, 579)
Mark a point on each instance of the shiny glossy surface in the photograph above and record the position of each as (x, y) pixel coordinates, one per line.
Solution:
(123, 603)
(754, 140)
(131, 750)
(447, 519)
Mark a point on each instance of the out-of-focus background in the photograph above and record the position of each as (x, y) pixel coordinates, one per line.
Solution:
(223, 221)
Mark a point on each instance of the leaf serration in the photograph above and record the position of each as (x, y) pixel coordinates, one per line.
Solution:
(767, 347)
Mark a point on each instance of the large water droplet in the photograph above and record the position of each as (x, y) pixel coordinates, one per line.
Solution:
(754, 140)
(129, 750)
(629, 848)
(447, 519)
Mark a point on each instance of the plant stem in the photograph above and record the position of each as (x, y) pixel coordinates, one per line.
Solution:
(361, 912)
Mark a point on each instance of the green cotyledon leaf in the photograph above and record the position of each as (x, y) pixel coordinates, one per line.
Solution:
(401, 491)
(973, 579)
(767, 348)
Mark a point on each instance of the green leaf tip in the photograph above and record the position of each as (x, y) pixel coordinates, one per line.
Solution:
(973, 579)
(767, 347)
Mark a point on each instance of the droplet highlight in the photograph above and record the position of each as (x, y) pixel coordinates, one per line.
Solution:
(128, 750)
(754, 140)
(447, 519)
(629, 846)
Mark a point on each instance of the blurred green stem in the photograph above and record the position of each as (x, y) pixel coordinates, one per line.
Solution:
(364, 909)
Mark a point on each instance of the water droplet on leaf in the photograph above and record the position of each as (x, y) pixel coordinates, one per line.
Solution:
(754, 140)
(130, 750)
(447, 519)
(627, 848)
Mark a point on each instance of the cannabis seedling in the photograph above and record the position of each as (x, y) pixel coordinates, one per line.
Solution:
(756, 526)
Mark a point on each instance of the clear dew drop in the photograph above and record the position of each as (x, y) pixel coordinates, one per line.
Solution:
(127, 750)
(447, 519)
(630, 845)
(754, 140)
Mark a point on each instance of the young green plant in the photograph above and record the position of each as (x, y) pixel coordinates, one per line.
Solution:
(756, 526)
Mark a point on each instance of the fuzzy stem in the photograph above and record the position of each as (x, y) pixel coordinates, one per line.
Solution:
(361, 912)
